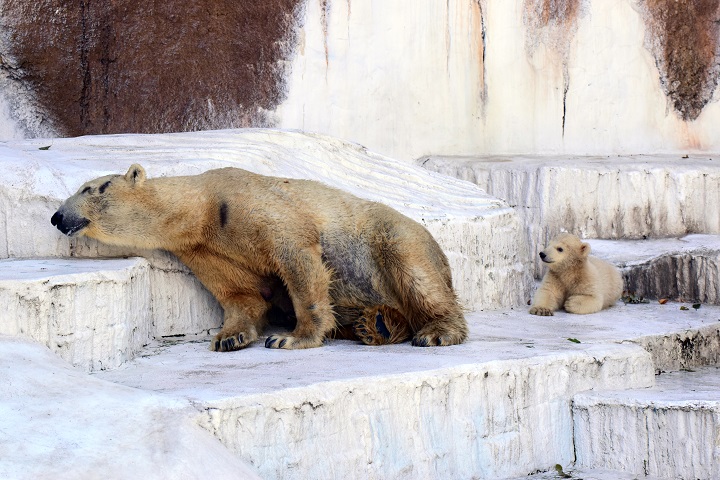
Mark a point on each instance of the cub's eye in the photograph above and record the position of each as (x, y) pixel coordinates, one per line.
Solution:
(86, 190)
(559, 249)
(104, 186)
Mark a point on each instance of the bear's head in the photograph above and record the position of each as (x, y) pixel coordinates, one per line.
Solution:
(100, 209)
(564, 251)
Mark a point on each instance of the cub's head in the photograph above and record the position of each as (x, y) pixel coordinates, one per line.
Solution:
(102, 208)
(563, 251)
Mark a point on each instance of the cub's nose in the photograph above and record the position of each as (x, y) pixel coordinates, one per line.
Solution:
(542, 254)
(56, 219)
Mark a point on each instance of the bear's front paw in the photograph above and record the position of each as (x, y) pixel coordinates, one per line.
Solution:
(542, 311)
(288, 342)
(225, 343)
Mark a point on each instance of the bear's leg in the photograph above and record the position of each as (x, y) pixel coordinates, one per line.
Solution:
(422, 286)
(242, 322)
(583, 304)
(308, 283)
(546, 300)
(381, 325)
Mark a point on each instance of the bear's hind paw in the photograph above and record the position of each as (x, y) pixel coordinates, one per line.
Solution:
(381, 326)
(288, 342)
(440, 334)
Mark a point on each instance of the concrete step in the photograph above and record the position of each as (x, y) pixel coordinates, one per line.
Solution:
(618, 197)
(683, 269)
(99, 313)
(482, 236)
(670, 431)
(59, 422)
(497, 406)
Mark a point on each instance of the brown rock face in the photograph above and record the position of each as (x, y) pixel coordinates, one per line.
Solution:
(683, 37)
(119, 66)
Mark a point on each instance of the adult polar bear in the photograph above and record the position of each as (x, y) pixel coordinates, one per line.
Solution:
(262, 244)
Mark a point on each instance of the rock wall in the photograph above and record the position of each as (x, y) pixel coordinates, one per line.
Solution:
(452, 78)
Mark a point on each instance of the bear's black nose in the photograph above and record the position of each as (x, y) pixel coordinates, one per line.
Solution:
(542, 255)
(56, 219)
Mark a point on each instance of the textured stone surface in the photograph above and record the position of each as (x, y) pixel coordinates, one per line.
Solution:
(57, 422)
(93, 314)
(598, 197)
(481, 235)
(669, 431)
(685, 269)
(98, 314)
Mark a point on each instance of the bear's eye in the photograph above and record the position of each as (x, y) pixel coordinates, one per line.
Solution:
(87, 190)
(559, 249)
(104, 186)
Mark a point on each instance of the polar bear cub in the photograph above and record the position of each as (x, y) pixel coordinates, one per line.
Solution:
(575, 280)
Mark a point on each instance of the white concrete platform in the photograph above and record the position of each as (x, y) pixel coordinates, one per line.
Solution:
(683, 269)
(615, 197)
(497, 406)
(482, 236)
(57, 422)
(671, 430)
(99, 313)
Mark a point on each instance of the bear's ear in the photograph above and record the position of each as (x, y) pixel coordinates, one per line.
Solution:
(584, 249)
(135, 174)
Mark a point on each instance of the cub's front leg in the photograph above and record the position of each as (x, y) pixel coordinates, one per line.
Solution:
(243, 321)
(308, 283)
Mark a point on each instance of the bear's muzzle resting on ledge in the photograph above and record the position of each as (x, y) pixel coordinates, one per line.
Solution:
(265, 246)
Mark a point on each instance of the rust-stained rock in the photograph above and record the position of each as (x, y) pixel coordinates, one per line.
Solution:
(124, 66)
(683, 37)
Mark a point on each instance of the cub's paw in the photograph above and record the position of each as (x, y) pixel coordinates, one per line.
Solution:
(381, 326)
(583, 304)
(439, 334)
(542, 311)
(228, 343)
(288, 342)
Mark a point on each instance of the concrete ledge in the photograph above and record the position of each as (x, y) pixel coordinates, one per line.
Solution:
(497, 406)
(629, 197)
(669, 431)
(683, 269)
(482, 236)
(99, 313)
(58, 422)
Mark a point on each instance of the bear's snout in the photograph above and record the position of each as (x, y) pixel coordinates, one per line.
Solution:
(542, 254)
(69, 225)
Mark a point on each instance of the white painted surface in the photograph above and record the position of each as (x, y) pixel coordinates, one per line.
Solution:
(57, 422)
(411, 78)
(670, 431)
(481, 235)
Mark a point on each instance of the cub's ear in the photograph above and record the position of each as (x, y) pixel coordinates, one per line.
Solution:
(584, 249)
(135, 174)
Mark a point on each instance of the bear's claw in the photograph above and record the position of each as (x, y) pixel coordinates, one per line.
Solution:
(288, 342)
(542, 311)
(228, 344)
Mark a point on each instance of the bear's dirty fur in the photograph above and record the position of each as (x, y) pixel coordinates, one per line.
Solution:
(575, 280)
(266, 245)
